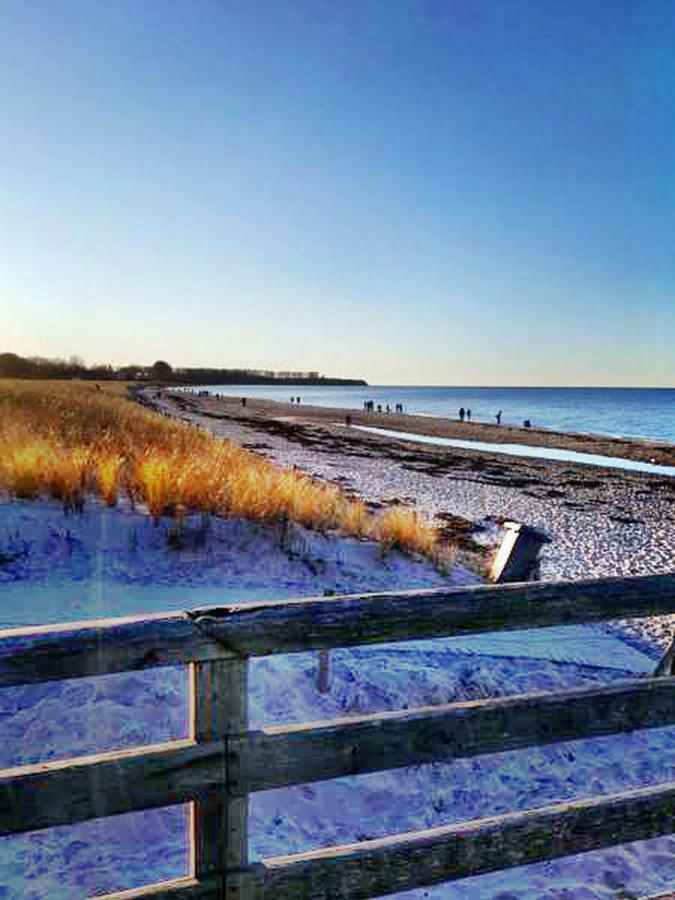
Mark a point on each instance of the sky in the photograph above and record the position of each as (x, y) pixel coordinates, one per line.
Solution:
(409, 191)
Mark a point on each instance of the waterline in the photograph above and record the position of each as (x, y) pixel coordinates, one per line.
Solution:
(550, 453)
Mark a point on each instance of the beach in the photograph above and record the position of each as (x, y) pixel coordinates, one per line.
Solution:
(104, 560)
(603, 522)
(632, 448)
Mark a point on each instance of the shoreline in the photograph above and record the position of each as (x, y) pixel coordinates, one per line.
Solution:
(602, 521)
(528, 451)
(637, 449)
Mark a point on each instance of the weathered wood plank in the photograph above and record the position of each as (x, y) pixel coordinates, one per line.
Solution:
(67, 791)
(220, 820)
(175, 889)
(280, 756)
(73, 790)
(322, 623)
(78, 649)
(97, 647)
(405, 861)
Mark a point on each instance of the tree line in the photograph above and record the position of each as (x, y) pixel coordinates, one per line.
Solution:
(14, 366)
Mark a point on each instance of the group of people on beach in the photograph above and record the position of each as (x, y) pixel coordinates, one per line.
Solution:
(465, 414)
(369, 406)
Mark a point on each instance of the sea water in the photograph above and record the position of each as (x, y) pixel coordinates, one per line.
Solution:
(626, 412)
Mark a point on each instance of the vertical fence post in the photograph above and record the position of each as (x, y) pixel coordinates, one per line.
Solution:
(220, 822)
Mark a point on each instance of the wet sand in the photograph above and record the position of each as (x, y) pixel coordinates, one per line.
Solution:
(627, 448)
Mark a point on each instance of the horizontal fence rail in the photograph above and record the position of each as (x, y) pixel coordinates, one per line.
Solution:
(66, 791)
(419, 859)
(222, 761)
(102, 647)
(47, 653)
(279, 757)
(319, 624)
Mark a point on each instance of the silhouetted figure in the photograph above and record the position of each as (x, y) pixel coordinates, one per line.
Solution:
(292, 399)
(461, 414)
(379, 407)
(388, 410)
(348, 420)
(527, 423)
(297, 399)
(498, 417)
(468, 415)
(243, 401)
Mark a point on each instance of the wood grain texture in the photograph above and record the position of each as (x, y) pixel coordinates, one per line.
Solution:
(276, 757)
(116, 645)
(227, 768)
(323, 623)
(406, 861)
(98, 647)
(175, 889)
(220, 819)
(74, 790)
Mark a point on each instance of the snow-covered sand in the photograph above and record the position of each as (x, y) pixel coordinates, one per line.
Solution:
(60, 568)
(106, 555)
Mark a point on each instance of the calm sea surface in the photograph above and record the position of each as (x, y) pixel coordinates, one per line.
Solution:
(630, 412)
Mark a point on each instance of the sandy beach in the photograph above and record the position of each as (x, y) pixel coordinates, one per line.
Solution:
(626, 448)
(602, 522)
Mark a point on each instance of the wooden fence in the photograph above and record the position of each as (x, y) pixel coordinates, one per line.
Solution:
(221, 761)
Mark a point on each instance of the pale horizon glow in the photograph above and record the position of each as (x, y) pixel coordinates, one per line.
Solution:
(412, 193)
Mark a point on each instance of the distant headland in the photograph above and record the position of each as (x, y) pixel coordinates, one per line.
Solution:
(14, 366)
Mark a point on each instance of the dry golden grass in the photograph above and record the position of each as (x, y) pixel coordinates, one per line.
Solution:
(67, 439)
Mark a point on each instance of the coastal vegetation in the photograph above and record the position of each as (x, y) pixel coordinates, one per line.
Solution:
(68, 440)
(36, 367)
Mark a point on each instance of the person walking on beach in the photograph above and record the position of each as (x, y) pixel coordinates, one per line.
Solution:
(468, 415)
(498, 417)
(461, 414)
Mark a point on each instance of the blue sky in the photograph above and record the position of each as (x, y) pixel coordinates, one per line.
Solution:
(413, 192)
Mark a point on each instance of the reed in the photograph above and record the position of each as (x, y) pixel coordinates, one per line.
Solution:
(65, 439)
